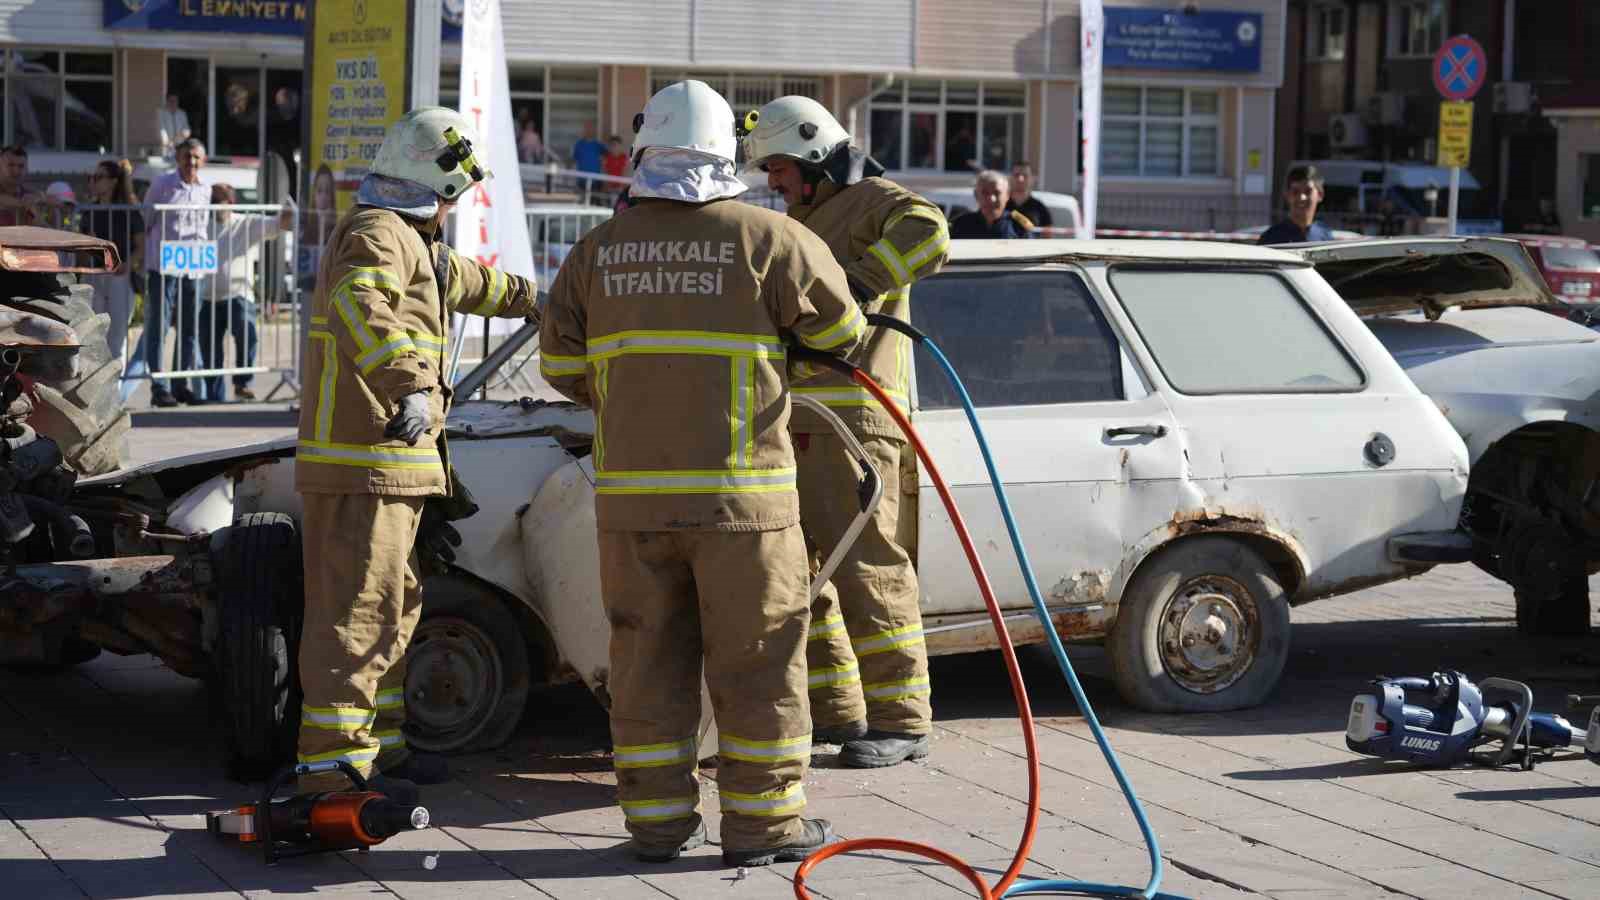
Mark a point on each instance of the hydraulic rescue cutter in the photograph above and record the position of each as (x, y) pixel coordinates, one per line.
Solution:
(323, 822)
(1444, 719)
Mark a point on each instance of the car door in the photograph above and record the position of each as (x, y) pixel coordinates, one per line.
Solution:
(1069, 417)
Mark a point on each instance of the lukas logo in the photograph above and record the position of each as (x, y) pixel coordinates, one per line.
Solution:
(1416, 743)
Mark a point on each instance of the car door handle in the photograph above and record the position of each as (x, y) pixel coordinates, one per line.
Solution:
(1146, 430)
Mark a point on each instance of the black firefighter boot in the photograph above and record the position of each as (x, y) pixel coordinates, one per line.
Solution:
(817, 834)
(839, 734)
(883, 748)
(420, 768)
(670, 852)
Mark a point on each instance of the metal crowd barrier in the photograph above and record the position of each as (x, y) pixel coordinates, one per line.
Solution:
(219, 296)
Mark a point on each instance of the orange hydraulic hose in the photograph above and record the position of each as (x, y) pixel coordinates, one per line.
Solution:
(1024, 711)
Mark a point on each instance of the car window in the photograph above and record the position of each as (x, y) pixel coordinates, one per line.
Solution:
(1570, 259)
(1222, 332)
(1017, 339)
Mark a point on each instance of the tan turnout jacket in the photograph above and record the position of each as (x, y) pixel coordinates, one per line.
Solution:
(886, 237)
(670, 321)
(380, 323)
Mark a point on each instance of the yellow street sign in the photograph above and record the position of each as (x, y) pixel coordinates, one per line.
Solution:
(1455, 133)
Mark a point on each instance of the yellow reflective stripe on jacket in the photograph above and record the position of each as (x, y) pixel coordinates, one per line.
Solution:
(884, 691)
(647, 756)
(825, 676)
(390, 738)
(848, 327)
(391, 698)
(821, 628)
(355, 756)
(884, 641)
(392, 346)
(886, 254)
(741, 410)
(428, 344)
(551, 365)
(771, 803)
(696, 481)
(495, 299)
(325, 386)
(344, 302)
(847, 395)
(368, 455)
(714, 343)
(336, 718)
(659, 810)
(781, 750)
(602, 387)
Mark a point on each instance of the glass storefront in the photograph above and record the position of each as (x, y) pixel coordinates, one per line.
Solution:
(58, 99)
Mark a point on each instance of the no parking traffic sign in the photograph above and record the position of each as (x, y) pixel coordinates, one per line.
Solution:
(1459, 68)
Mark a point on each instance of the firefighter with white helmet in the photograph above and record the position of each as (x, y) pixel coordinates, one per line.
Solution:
(671, 320)
(371, 446)
(868, 666)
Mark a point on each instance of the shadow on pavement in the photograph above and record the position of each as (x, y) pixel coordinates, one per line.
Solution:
(219, 416)
(1579, 792)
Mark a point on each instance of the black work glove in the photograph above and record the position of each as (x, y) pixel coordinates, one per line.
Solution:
(436, 543)
(412, 419)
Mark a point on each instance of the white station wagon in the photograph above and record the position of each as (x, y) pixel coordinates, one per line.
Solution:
(1196, 438)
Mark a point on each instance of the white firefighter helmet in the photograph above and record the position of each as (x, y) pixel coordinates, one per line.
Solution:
(687, 115)
(431, 146)
(792, 127)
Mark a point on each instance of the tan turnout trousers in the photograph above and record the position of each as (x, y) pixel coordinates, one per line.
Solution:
(737, 598)
(363, 601)
(865, 653)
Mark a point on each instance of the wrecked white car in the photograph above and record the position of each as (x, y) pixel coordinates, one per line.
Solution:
(1466, 319)
(1196, 438)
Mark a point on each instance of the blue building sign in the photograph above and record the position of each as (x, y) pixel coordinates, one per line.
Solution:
(1142, 38)
(285, 17)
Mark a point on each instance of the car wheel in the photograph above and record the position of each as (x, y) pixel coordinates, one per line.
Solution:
(259, 606)
(1202, 627)
(467, 669)
(1563, 612)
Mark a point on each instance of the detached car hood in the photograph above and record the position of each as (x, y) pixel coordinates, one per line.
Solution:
(1429, 274)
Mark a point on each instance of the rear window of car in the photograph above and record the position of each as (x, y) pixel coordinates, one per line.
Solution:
(1226, 332)
(1570, 259)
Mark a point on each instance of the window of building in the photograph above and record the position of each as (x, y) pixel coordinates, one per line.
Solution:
(1018, 339)
(948, 126)
(552, 106)
(1327, 37)
(1589, 172)
(1416, 27)
(58, 100)
(744, 91)
(1233, 333)
(1159, 132)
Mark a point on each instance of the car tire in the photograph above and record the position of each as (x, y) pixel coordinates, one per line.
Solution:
(1564, 613)
(1202, 627)
(467, 669)
(255, 678)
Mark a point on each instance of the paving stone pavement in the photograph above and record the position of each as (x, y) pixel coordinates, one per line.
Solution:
(106, 771)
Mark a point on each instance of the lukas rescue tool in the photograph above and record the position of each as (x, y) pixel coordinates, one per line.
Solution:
(323, 822)
(1441, 720)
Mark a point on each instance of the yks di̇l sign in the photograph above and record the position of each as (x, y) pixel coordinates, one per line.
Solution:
(1455, 133)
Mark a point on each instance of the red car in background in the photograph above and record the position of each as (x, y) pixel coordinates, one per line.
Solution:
(1569, 265)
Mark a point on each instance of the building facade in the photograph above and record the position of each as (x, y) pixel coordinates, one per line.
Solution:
(933, 88)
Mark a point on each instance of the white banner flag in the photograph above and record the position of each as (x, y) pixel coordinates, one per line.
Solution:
(1094, 32)
(490, 223)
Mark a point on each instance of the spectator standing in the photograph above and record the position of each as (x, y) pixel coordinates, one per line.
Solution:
(62, 206)
(992, 220)
(175, 295)
(588, 154)
(1302, 193)
(18, 205)
(111, 184)
(615, 162)
(230, 295)
(174, 125)
(530, 147)
(1022, 198)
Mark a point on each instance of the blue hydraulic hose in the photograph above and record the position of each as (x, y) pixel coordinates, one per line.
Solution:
(1152, 887)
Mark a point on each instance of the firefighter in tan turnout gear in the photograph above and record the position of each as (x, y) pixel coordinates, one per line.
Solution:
(671, 320)
(868, 667)
(372, 444)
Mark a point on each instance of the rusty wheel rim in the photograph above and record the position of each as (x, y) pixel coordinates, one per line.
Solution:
(1208, 633)
(453, 683)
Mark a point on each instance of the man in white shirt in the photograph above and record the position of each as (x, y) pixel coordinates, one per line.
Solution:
(228, 298)
(174, 295)
(174, 124)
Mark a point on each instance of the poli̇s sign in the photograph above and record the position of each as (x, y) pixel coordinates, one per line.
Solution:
(1139, 38)
(189, 259)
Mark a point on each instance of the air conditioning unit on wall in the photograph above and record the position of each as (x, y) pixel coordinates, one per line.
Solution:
(1346, 131)
(1387, 108)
